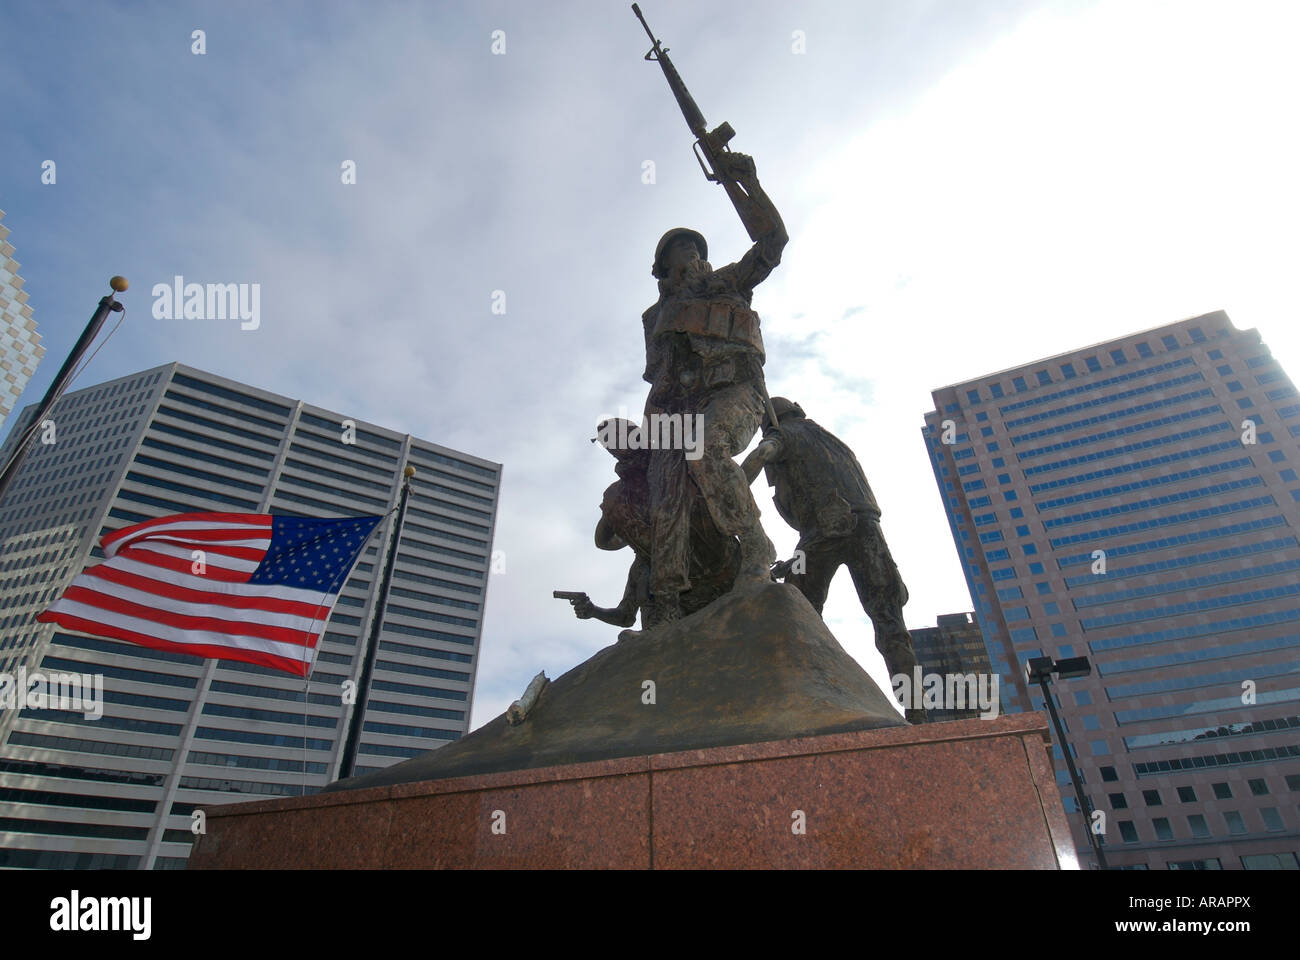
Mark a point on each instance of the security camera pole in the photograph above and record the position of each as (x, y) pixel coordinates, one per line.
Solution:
(106, 306)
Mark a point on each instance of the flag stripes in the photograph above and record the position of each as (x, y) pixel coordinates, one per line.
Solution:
(235, 586)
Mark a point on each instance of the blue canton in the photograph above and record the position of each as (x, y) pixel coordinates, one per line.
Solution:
(313, 554)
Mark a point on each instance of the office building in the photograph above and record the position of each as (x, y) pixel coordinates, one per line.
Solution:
(20, 345)
(179, 733)
(954, 647)
(1135, 502)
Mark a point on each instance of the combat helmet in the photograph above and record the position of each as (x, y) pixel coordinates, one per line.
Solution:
(662, 248)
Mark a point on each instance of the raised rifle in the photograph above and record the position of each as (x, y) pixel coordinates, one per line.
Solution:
(709, 144)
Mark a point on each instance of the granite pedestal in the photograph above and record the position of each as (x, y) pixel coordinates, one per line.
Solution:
(973, 794)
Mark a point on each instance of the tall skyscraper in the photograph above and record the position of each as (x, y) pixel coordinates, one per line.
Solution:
(20, 345)
(955, 646)
(1135, 502)
(179, 733)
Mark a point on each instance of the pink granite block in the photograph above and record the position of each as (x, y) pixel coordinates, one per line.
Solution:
(953, 804)
(971, 793)
(600, 822)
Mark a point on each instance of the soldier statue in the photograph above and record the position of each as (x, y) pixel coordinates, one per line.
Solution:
(704, 356)
(821, 491)
(625, 522)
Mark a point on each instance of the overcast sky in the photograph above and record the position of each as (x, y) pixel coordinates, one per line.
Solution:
(968, 186)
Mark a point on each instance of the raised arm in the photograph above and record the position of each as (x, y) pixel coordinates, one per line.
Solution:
(763, 257)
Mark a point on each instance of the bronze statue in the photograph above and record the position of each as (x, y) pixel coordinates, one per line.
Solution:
(821, 491)
(625, 522)
(704, 363)
(754, 662)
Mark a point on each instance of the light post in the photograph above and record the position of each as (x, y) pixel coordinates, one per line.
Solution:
(1040, 670)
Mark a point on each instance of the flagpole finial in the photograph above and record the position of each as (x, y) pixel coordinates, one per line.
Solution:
(408, 472)
(118, 284)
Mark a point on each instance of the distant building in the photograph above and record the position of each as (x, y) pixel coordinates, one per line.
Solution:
(955, 646)
(20, 345)
(181, 733)
(1136, 502)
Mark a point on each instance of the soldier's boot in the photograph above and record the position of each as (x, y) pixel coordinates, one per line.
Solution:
(666, 608)
(756, 556)
(900, 658)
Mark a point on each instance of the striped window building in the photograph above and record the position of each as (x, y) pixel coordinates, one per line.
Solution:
(179, 733)
(1137, 502)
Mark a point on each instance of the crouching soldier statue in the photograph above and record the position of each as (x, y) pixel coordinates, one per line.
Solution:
(821, 491)
(625, 521)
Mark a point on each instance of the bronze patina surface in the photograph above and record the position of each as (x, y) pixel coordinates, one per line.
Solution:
(755, 665)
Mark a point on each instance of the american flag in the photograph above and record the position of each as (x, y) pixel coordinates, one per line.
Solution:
(233, 586)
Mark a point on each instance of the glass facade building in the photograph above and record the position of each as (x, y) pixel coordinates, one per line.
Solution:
(20, 345)
(180, 733)
(1137, 502)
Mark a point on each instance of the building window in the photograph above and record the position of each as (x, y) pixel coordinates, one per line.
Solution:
(995, 389)
(1152, 798)
(1200, 829)
(1222, 791)
(1187, 794)
(1128, 831)
(1270, 861)
(1118, 801)
(1272, 819)
(1163, 830)
(1258, 787)
(1234, 821)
